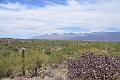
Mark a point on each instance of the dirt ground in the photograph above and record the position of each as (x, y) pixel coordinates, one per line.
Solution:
(34, 78)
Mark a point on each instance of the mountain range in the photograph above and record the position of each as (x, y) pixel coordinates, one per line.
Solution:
(93, 36)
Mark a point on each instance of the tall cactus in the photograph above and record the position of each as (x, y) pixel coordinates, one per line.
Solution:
(23, 61)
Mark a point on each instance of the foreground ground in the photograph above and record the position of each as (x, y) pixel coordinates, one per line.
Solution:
(35, 78)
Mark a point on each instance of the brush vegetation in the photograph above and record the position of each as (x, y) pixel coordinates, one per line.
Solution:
(42, 53)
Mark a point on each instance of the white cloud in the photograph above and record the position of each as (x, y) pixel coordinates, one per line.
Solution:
(16, 18)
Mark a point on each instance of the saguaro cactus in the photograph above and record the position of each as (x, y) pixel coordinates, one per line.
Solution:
(23, 61)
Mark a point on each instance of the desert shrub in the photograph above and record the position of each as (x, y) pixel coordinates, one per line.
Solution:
(35, 60)
(93, 67)
(48, 52)
(2, 71)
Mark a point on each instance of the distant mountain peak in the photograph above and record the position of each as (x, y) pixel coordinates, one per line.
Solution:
(93, 36)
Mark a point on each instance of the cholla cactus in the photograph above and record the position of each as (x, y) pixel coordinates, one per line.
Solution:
(93, 67)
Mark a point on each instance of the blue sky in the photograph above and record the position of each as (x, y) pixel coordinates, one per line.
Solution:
(27, 18)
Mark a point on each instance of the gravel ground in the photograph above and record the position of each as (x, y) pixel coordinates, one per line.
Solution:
(34, 78)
